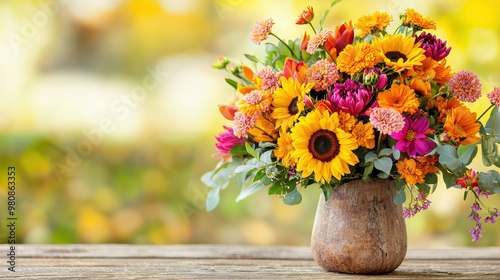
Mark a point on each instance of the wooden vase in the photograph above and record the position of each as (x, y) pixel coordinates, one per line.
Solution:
(359, 229)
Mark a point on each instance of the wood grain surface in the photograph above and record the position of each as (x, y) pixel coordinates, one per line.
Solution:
(114, 261)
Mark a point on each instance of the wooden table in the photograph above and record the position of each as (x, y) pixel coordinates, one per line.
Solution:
(228, 262)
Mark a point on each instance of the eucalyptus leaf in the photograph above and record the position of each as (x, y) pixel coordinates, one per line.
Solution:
(218, 180)
(467, 153)
(369, 157)
(244, 168)
(431, 178)
(266, 157)
(212, 199)
(400, 197)
(396, 154)
(368, 171)
(276, 189)
(449, 179)
(327, 190)
(383, 164)
(266, 144)
(293, 198)
(448, 157)
(385, 152)
(255, 186)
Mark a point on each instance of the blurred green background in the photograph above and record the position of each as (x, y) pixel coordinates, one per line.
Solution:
(109, 114)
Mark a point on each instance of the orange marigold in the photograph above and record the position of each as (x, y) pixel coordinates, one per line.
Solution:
(461, 126)
(346, 121)
(445, 106)
(428, 164)
(354, 59)
(409, 171)
(400, 97)
(364, 135)
(372, 24)
(412, 17)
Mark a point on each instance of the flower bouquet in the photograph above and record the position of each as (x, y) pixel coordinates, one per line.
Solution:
(356, 103)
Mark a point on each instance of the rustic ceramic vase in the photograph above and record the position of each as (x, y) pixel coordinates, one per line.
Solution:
(359, 229)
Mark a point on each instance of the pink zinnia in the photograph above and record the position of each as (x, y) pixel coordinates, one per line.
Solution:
(323, 74)
(226, 141)
(261, 30)
(318, 40)
(412, 140)
(242, 124)
(494, 96)
(466, 86)
(270, 79)
(387, 120)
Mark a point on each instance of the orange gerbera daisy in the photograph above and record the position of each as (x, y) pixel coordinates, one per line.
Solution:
(461, 126)
(443, 73)
(372, 24)
(285, 149)
(354, 59)
(409, 171)
(400, 97)
(364, 135)
(421, 87)
(264, 129)
(423, 71)
(415, 19)
(346, 121)
(428, 164)
(255, 102)
(445, 106)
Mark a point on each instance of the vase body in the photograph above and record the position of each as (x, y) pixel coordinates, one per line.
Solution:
(359, 229)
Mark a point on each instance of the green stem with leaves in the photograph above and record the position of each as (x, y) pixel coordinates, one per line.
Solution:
(313, 28)
(491, 106)
(291, 51)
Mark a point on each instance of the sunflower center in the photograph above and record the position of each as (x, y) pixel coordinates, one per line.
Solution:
(395, 56)
(410, 135)
(324, 145)
(293, 109)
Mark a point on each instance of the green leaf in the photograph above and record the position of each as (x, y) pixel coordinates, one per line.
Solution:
(212, 199)
(251, 151)
(449, 179)
(383, 164)
(218, 180)
(266, 145)
(326, 13)
(293, 198)
(252, 58)
(400, 197)
(260, 173)
(448, 157)
(425, 187)
(489, 150)
(368, 171)
(400, 184)
(327, 190)
(369, 157)
(496, 123)
(396, 154)
(245, 168)
(266, 157)
(255, 186)
(431, 178)
(232, 83)
(266, 181)
(276, 189)
(238, 150)
(383, 175)
(465, 194)
(385, 152)
(467, 153)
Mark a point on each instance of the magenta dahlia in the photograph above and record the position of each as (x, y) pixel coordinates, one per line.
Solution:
(226, 141)
(412, 140)
(350, 97)
(434, 47)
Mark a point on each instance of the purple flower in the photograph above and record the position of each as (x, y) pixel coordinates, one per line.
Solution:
(412, 140)
(350, 97)
(226, 141)
(422, 204)
(491, 218)
(434, 48)
(474, 216)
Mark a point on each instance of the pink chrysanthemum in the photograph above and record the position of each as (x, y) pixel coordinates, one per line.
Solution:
(494, 96)
(318, 40)
(261, 30)
(226, 141)
(242, 124)
(270, 80)
(323, 74)
(387, 120)
(466, 86)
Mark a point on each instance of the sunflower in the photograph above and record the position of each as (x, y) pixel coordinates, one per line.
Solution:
(285, 149)
(322, 147)
(400, 97)
(364, 135)
(353, 59)
(289, 102)
(398, 52)
(409, 171)
(461, 126)
(412, 17)
(372, 24)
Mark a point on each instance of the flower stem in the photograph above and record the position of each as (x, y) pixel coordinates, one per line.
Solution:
(491, 106)
(293, 54)
(331, 56)
(378, 142)
(313, 28)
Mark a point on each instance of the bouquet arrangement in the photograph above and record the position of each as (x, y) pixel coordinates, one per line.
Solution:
(356, 103)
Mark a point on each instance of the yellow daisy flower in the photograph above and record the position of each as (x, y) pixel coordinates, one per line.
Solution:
(285, 149)
(398, 52)
(372, 24)
(412, 17)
